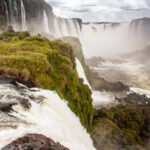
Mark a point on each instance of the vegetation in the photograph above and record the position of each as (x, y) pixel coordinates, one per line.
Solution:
(95, 81)
(46, 64)
(124, 126)
(77, 49)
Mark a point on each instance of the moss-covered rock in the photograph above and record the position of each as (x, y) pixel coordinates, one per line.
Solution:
(77, 49)
(46, 64)
(97, 83)
(122, 127)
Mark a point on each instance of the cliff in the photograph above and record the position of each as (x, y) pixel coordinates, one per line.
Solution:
(36, 61)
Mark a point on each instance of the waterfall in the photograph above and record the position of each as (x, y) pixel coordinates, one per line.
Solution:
(45, 20)
(23, 16)
(42, 112)
(100, 99)
(7, 15)
(81, 72)
(13, 14)
(64, 28)
(12, 18)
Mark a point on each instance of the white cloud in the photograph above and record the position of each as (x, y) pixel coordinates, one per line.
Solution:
(101, 10)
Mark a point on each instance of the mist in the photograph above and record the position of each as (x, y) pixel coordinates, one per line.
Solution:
(112, 39)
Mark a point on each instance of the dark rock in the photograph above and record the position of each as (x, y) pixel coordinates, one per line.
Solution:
(101, 84)
(10, 29)
(7, 107)
(23, 101)
(81, 80)
(34, 142)
(134, 98)
(13, 79)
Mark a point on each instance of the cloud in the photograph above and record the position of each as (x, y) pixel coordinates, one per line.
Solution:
(101, 10)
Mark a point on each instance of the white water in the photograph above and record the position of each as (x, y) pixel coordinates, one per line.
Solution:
(23, 16)
(7, 13)
(105, 39)
(45, 20)
(81, 73)
(108, 41)
(50, 117)
(99, 98)
(141, 91)
(131, 73)
(13, 12)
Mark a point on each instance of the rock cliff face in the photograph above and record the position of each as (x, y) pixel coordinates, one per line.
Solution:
(54, 68)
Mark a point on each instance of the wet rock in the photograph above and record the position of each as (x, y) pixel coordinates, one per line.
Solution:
(7, 107)
(24, 102)
(134, 98)
(34, 142)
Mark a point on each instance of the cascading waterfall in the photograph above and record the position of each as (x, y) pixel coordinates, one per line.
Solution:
(81, 73)
(45, 20)
(7, 15)
(66, 27)
(57, 29)
(42, 112)
(13, 10)
(127, 35)
(12, 18)
(23, 16)
(13, 13)
(99, 98)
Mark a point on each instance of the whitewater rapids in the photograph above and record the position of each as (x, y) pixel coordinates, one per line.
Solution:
(48, 115)
(99, 98)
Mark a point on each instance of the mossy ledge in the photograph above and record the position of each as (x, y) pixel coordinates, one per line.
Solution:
(36, 61)
(124, 127)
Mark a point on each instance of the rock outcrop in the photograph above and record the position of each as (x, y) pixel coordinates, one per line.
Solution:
(122, 127)
(48, 65)
(34, 141)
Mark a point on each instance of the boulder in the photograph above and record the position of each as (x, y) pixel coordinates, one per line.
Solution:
(34, 142)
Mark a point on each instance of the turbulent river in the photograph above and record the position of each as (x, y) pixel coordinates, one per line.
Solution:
(40, 111)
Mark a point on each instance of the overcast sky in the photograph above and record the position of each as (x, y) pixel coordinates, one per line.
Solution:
(101, 10)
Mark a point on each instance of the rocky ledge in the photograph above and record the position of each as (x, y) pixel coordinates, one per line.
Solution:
(36, 142)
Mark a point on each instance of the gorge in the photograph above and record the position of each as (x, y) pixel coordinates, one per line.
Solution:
(55, 95)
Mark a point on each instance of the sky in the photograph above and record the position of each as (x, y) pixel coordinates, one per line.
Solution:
(101, 10)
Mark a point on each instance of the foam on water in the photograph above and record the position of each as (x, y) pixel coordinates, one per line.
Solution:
(140, 91)
(126, 72)
(50, 117)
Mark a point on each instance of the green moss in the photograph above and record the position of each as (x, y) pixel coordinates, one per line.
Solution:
(47, 64)
(130, 122)
(77, 49)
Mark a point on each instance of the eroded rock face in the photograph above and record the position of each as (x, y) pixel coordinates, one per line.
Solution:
(34, 142)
